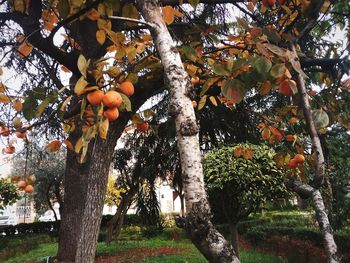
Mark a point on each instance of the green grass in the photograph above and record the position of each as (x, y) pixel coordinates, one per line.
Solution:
(190, 256)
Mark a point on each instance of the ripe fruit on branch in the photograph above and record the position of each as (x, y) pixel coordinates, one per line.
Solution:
(29, 189)
(290, 138)
(299, 158)
(112, 99)
(10, 149)
(20, 135)
(95, 97)
(195, 80)
(285, 89)
(293, 120)
(22, 184)
(127, 88)
(293, 163)
(142, 127)
(111, 114)
(4, 131)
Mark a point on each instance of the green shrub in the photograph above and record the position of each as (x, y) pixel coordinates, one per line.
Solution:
(262, 233)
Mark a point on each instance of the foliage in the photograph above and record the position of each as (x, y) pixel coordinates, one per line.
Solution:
(8, 193)
(47, 170)
(241, 178)
(338, 143)
(113, 194)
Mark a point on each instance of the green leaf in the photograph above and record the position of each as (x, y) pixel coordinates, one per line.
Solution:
(320, 118)
(275, 49)
(272, 35)
(278, 70)
(82, 65)
(263, 65)
(234, 90)
(40, 109)
(63, 8)
(243, 23)
(220, 70)
(193, 3)
(208, 83)
(190, 53)
(126, 102)
(29, 108)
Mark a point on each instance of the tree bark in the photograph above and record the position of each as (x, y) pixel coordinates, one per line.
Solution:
(317, 200)
(197, 223)
(234, 237)
(85, 185)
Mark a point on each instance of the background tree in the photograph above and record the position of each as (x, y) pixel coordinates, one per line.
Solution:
(8, 193)
(240, 179)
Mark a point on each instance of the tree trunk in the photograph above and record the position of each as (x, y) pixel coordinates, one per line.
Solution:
(325, 227)
(116, 223)
(182, 203)
(85, 185)
(318, 203)
(197, 223)
(234, 237)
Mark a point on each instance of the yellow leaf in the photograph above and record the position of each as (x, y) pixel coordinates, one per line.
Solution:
(17, 104)
(193, 3)
(103, 129)
(213, 101)
(82, 65)
(168, 14)
(54, 146)
(2, 87)
(101, 36)
(104, 24)
(113, 72)
(202, 102)
(1, 71)
(130, 10)
(68, 127)
(78, 145)
(65, 103)
(80, 86)
(17, 123)
(4, 98)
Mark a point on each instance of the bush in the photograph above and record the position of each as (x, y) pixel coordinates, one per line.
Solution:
(263, 233)
(35, 228)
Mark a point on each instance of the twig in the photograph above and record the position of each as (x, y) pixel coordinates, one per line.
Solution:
(127, 19)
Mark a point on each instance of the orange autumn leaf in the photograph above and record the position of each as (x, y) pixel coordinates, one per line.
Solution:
(54, 146)
(25, 48)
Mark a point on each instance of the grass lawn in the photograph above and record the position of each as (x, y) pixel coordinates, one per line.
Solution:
(151, 249)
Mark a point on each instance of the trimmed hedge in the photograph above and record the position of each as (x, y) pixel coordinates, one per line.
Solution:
(52, 227)
(31, 228)
(262, 233)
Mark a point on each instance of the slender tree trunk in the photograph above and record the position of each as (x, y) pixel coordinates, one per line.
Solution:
(318, 203)
(197, 223)
(49, 200)
(234, 237)
(116, 223)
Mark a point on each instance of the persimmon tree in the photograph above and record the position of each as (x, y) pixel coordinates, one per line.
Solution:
(109, 50)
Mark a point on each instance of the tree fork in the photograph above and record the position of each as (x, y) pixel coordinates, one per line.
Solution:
(197, 223)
